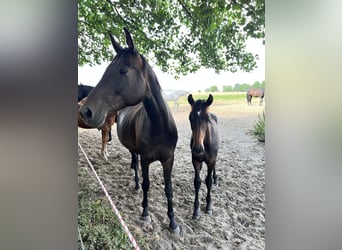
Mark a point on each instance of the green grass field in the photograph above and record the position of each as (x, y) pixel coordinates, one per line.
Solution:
(219, 98)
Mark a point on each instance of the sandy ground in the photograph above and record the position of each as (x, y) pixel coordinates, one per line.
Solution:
(238, 219)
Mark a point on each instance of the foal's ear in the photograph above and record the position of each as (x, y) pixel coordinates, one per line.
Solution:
(190, 99)
(209, 101)
(116, 46)
(129, 39)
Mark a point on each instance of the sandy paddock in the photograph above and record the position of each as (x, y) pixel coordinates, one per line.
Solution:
(238, 219)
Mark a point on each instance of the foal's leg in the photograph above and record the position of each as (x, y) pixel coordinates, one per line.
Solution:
(261, 99)
(167, 170)
(135, 166)
(104, 133)
(214, 177)
(145, 186)
(208, 182)
(197, 184)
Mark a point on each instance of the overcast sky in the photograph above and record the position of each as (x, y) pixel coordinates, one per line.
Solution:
(202, 79)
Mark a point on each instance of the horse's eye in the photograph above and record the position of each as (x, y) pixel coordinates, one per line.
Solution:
(123, 71)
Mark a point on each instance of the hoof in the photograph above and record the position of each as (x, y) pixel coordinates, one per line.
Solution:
(210, 212)
(197, 214)
(175, 230)
(146, 218)
(137, 187)
(196, 217)
(109, 143)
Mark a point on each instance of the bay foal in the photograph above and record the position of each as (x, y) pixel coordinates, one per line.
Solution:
(204, 147)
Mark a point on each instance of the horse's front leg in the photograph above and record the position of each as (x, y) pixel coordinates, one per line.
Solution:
(135, 166)
(145, 186)
(215, 178)
(208, 182)
(104, 149)
(109, 142)
(167, 170)
(197, 184)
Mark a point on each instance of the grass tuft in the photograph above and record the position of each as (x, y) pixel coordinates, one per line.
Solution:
(259, 128)
(98, 225)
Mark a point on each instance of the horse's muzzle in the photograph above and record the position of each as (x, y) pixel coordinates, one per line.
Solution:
(89, 117)
(197, 150)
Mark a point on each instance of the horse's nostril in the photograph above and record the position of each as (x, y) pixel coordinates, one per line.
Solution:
(86, 113)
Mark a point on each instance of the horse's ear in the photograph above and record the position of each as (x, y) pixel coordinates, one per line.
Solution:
(209, 101)
(129, 39)
(116, 46)
(190, 99)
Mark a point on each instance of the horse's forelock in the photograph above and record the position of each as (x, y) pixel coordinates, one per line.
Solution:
(199, 105)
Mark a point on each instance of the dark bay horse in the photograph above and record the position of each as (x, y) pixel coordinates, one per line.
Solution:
(144, 123)
(204, 147)
(83, 91)
(255, 93)
(105, 128)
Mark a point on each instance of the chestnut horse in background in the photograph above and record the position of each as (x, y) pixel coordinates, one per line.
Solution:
(145, 125)
(105, 128)
(255, 93)
(204, 147)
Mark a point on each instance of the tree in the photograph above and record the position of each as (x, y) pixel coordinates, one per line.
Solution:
(258, 85)
(227, 88)
(212, 89)
(179, 36)
(241, 87)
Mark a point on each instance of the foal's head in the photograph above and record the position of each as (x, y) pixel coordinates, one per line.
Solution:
(199, 119)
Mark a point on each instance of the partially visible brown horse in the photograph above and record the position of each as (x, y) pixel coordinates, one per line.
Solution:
(144, 124)
(204, 147)
(83, 91)
(105, 128)
(255, 93)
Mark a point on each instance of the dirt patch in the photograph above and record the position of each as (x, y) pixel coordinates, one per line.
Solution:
(238, 219)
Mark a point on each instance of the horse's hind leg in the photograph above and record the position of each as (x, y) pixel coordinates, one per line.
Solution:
(135, 166)
(167, 170)
(197, 184)
(208, 182)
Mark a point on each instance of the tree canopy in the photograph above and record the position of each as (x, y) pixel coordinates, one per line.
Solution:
(179, 36)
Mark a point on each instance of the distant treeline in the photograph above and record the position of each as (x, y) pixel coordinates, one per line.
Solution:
(237, 87)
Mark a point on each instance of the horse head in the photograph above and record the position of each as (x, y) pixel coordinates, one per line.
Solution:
(199, 118)
(122, 84)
